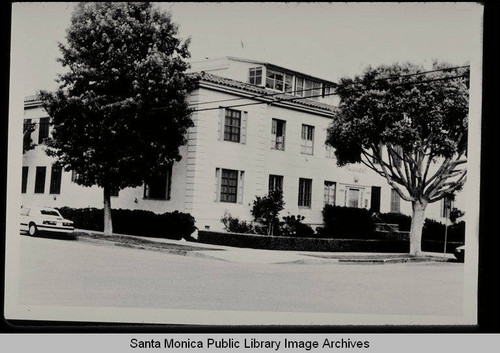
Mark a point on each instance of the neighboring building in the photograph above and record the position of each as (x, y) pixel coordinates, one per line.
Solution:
(245, 141)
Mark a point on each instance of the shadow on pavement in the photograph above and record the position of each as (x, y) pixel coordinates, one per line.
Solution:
(58, 236)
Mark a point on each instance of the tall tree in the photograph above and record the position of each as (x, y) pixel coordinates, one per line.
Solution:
(121, 111)
(408, 126)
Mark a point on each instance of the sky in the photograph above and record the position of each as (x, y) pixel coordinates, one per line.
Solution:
(328, 40)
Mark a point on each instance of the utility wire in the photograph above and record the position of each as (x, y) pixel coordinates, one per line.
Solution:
(326, 94)
(330, 94)
(310, 89)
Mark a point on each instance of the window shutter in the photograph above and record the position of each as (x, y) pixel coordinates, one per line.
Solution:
(244, 119)
(217, 184)
(273, 133)
(240, 187)
(220, 127)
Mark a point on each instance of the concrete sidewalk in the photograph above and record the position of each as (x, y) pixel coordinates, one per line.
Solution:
(255, 256)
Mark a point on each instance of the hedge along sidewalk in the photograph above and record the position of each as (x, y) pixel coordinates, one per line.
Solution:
(249, 255)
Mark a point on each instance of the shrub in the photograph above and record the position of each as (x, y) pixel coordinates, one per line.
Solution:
(266, 209)
(434, 230)
(170, 225)
(293, 226)
(346, 222)
(403, 221)
(233, 224)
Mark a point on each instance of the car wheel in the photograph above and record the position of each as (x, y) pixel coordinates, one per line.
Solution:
(32, 230)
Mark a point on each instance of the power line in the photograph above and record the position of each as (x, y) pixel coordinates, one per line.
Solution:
(330, 94)
(310, 89)
(326, 94)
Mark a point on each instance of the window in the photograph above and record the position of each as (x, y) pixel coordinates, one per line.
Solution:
(49, 213)
(40, 180)
(55, 180)
(275, 182)
(114, 191)
(329, 90)
(158, 186)
(27, 130)
(232, 125)
(229, 186)
(288, 83)
(74, 176)
(396, 159)
(395, 201)
(24, 182)
(255, 76)
(275, 80)
(307, 144)
(305, 189)
(299, 86)
(43, 131)
(329, 192)
(278, 135)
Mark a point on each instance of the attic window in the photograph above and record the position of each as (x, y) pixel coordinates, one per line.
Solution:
(255, 76)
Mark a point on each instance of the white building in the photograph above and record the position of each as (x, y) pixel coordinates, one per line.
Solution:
(248, 137)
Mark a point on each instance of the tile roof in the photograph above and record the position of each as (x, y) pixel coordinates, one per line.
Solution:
(261, 91)
(278, 67)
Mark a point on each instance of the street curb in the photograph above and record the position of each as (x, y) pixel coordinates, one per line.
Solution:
(185, 248)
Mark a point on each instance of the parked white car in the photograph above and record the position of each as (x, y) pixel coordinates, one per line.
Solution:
(44, 219)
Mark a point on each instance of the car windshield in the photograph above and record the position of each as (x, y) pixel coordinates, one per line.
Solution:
(25, 211)
(50, 213)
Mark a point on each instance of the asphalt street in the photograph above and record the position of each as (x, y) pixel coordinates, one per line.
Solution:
(74, 273)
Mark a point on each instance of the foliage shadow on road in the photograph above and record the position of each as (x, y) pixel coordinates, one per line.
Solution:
(57, 236)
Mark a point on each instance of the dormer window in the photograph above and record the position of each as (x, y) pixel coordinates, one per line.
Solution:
(255, 76)
(274, 80)
(307, 88)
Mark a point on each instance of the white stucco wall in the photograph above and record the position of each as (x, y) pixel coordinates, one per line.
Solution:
(194, 177)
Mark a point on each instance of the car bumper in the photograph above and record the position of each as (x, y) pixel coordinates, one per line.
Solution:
(44, 228)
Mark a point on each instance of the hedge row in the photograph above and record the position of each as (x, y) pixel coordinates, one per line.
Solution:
(170, 225)
(302, 244)
(358, 223)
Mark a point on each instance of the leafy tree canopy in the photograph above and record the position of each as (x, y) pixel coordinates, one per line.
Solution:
(421, 112)
(121, 112)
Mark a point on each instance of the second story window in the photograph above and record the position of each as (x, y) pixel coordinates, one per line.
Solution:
(43, 129)
(278, 135)
(255, 76)
(232, 125)
(307, 143)
(330, 152)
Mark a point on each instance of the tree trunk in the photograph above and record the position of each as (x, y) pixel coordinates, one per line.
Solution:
(108, 224)
(417, 224)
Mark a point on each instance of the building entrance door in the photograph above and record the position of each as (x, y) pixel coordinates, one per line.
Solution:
(353, 198)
